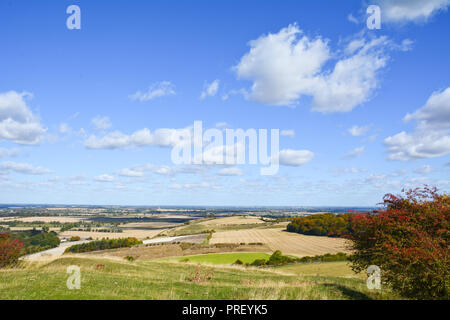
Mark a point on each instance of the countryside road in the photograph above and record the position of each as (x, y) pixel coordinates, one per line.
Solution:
(54, 252)
(171, 239)
(59, 251)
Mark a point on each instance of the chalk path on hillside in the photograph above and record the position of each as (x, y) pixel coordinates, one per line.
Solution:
(54, 252)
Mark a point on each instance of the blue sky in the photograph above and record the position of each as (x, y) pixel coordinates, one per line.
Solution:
(362, 112)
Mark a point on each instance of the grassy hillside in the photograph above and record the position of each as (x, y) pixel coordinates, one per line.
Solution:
(119, 279)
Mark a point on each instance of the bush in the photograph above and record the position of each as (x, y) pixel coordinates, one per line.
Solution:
(130, 258)
(278, 259)
(238, 262)
(75, 238)
(259, 263)
(340, 256)
(409, 241)
(10, 250)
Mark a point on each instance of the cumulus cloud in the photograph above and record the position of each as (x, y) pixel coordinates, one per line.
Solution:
(17, 122)
(104, 178)
(431, 135)
(358, 131)
(282, 65)
(24, 168)
(233, 171)
(156, 90)
(295, 158)
(144, 137)
(101, 123)
(140, 170)
(210, 89)
(130, 173)
(341, 171)
(221, 154)
(288, 65)
(355, 152)
(435, 115)
(411, 10)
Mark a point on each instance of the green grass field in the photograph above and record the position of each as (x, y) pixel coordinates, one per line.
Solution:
(144, 279)
(328, 269)
(222, 258)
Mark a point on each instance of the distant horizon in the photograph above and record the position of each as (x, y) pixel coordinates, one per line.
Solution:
(48, 205)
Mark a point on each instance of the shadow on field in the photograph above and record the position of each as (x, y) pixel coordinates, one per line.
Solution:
(347, 292)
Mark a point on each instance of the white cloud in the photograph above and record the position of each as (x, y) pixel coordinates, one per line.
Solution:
(431, 136)
(352, 18)
(358, 131)
(294, 158)
(144, 137)
(101, 123)
(156, 90)
(405, 147)
(104, 178)
(130, 173)
(353, 79)
(163, 170)
(411, 10)
(6, 153)
(287, 133)
(288, 65)
(220, 154)
(424, 169)
(17, 122)
(210, 89)
(355, 152)
(282, 66)
(24, 168)
(340, 171)
(77, 180)
(233, 171)
(435, 115)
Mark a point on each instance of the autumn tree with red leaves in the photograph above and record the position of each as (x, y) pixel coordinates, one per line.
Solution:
(409, 241)
(10, 250)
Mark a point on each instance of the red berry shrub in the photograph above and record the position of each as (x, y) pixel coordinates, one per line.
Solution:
(409, 241)
(10, 249)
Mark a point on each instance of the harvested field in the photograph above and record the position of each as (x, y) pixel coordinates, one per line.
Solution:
(175, 250)
(278, 239)
(137, 233)
(148, 225)
(232, 221)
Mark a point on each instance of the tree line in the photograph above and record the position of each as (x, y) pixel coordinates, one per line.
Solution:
(103, 244)
(325, 224)
(15, 245)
